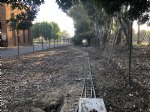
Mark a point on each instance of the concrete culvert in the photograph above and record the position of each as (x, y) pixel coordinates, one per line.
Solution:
(84, 42)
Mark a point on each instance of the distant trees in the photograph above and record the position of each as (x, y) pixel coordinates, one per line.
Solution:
(64, 34)
(46, 30)
(82, 23)
(55, 30)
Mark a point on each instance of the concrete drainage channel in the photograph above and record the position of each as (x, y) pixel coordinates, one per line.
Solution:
(88, 101)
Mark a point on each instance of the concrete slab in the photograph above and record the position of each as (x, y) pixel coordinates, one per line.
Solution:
(89, 104)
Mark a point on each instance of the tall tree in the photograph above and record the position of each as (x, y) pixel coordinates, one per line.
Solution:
(82, 23)
(55, 30)
(103, 11)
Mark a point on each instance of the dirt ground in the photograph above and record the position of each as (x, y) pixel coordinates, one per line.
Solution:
(42, 82)
(51, 81)
(112, 79)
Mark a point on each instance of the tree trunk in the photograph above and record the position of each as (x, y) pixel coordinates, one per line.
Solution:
(104, 40)
(125, 24)
(119, 36)
(24, 36)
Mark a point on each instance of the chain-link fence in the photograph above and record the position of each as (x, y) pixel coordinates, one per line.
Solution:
(119, 43)
(141, 36)
(37, 45)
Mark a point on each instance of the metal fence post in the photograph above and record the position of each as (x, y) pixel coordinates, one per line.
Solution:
(57, 42)
(0, 65)
(60, 41)
(42, 44)
(49, 42)
(54, 42)
(18, 38)
(33, 44)
(130, 55)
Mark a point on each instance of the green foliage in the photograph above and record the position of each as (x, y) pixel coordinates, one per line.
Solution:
(55, 30)
(65, 4)
(76, 40)
(102, 12)
(22, 4)
(132, 9)
(36, 30)
(23, 20)
(82, 23)
(87, 35)
(46, 30)
(55, 27)
(65, 34)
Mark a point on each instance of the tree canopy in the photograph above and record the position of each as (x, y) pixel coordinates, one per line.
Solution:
(29, 9)
(82, 23)
(133, 9)
(46, 30)
(106, 13)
